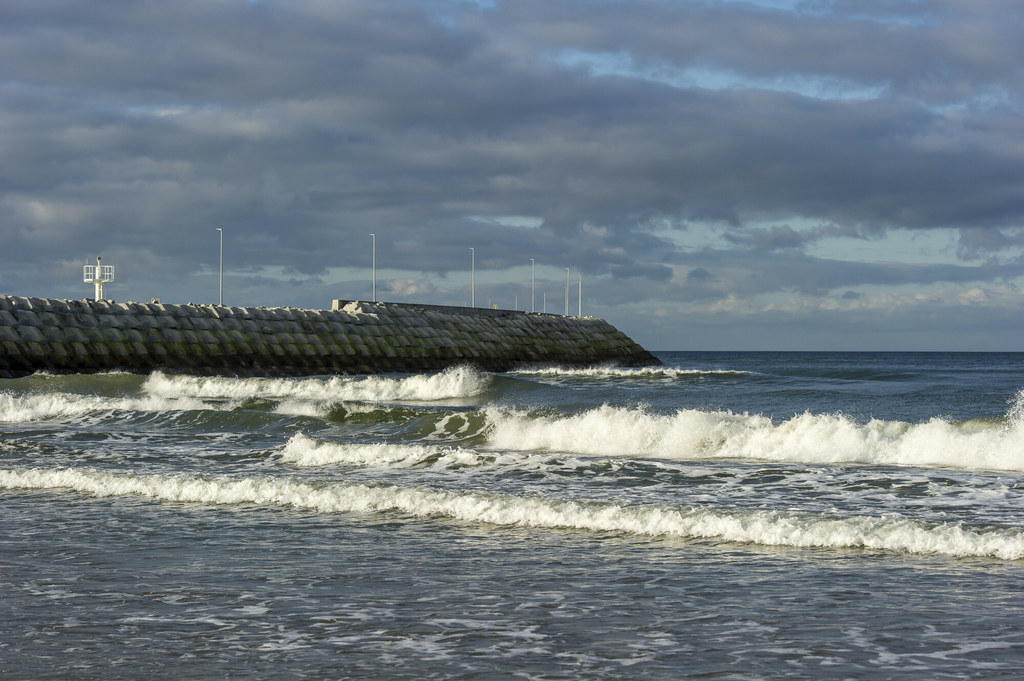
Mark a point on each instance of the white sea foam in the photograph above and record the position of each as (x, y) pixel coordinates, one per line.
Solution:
(311, 397)
(806, 438)
(454, 383)
(629, 372)
(43, 406)
(302, 450)
(741, 526)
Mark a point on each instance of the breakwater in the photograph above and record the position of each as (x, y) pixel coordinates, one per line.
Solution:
(83, 336)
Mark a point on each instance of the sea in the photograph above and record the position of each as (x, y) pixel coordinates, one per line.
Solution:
(729, 515)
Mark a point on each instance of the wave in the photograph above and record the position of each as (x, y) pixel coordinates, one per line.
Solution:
(304, 451)
(806, 438)
(653, 372)
(16, 408)
(454, 383)
(734, 526)
(104, 382)
(48, 399)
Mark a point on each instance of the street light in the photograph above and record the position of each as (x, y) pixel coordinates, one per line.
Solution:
(373, 246)
(221, 302)
(472, 277)
(581, 296)
(566, 291)
(533, 284)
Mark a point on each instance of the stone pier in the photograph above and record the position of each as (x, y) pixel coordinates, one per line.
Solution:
(83, 336)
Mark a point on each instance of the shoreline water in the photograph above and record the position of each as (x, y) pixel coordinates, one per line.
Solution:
(765, 515)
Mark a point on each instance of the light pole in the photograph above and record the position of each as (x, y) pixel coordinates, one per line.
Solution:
(221, 301)
(373, 260)
(472, 277)
(533, 284)
(581, 297)
(566, 291)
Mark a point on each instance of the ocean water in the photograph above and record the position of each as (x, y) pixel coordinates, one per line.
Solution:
(726, 516)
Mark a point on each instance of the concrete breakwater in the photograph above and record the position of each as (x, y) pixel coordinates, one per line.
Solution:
(83, 336)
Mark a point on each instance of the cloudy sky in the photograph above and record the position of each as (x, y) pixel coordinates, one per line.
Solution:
(773, 174)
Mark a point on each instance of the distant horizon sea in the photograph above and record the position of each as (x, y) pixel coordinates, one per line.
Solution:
(729, 515)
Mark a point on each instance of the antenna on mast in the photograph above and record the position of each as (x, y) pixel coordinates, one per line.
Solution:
(99, 275)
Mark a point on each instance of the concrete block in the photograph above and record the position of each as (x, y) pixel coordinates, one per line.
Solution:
(120, 350)
(30, 334)
(58, 352)
(85, 319)
(28, 317)
(11, 348)
(78, 349)
(98, 350)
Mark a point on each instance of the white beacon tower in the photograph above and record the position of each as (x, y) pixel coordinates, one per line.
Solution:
(99, 275)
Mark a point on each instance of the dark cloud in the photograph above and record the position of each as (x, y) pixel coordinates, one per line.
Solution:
(653, 272)
(699, 274)
(300, 127)
(778, 237)
(983, 242)
(770, 239)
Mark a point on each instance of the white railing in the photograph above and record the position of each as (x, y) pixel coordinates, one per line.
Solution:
(103, 274)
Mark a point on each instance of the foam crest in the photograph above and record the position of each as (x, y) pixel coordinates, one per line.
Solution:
(629, 372)
(16, 408)
(302, 450)
(756, 527)
(1015, 416)
(805, 438)
(454, 383)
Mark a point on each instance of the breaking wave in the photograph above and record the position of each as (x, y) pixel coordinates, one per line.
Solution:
(311, 396)
(805, 438)
(455, 383)
(42, 406)
(652, 372)
(302, 450)
(767, 528)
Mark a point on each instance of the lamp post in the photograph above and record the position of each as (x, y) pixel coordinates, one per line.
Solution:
(580, 314)
(533, 284)
(472, 277)
(566, 291)
(373, 266)
(221, 301)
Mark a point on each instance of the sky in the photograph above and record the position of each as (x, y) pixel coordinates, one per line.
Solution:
(716, 175)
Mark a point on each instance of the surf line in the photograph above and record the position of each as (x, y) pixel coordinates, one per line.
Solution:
(751, 527)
